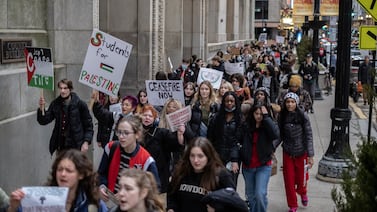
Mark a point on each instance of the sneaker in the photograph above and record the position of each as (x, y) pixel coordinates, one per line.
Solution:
(304, 200)
(292, 210)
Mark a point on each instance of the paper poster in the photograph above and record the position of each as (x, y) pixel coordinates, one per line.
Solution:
(44, 198)
(232, 68)
(211, 75)
(116, 108)
(303, 7)
(178, 118)
(280, 39)
(105, 62)
(39, 67)
(159, 91)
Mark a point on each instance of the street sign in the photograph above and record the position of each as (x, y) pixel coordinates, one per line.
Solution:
(370, 6)
(368, 37)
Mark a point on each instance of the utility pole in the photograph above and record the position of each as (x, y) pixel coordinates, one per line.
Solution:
(337, 156)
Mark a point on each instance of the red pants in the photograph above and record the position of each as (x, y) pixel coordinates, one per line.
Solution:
(294, 181)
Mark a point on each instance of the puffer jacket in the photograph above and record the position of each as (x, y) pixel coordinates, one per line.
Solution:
(297, 136)
(79, 123)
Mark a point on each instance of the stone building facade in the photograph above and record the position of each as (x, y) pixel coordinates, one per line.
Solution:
(157, 29)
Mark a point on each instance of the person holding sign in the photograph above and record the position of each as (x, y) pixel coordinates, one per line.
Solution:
(111, 118)
(160, 143)
(74, 170)
(73, 123)
(138, 192)
(204, 107)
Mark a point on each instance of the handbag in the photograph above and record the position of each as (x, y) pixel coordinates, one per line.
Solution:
(274, 166)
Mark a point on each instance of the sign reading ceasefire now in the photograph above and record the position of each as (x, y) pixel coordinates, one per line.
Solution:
(368, 37)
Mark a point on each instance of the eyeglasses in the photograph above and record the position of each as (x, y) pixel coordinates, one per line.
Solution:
(123, 133)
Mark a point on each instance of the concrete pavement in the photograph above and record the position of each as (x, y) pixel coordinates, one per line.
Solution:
(319, 192)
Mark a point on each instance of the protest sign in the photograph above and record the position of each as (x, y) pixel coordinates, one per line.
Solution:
(159, 91)
(117, 108)
(211, 75)
(262, 37)
(178, 118)
(280, 39)
(44, 199)
(232, 68)
(39, 67)
(105, 62)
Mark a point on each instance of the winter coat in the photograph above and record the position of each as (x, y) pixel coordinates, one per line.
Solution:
(160, 142)
(364, 74)
(296, 134)
(196, 116)
(79, 125)
(308, 72)
(226, 143)
(268, 132)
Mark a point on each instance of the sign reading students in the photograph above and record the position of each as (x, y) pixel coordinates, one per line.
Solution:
(39, 67)
(159, 91)
(105, 62)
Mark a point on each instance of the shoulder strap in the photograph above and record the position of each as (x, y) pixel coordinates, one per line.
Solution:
(113, 146)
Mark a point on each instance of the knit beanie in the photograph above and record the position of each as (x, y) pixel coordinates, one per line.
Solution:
(295, 80)
(292, 95)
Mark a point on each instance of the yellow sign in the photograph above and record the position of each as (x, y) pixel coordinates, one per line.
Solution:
(368, 37)
(370, 6)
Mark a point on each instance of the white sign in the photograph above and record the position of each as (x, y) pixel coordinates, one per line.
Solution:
(178, 118)
(117, 108)
(44, 199)
(232, 68)
(211, 75)
(39, 67)
(262, 37)
(159, 91)
(105, 62)
(279, 39)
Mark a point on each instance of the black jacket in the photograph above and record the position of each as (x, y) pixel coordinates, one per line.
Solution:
(225, 143)
(196, 116)
(268, 132)
(160, 142)
(79, 126)
(105, 123)
(364, 74)
(308, 72)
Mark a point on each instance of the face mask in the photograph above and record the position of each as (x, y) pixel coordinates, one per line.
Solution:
(230, 110)
(235, 87)
(184, 67)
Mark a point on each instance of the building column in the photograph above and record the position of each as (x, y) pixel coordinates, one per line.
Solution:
(234, 19)
(216, 21)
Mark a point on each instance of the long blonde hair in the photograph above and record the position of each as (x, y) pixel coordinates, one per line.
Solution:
(163, 119)
(198, 97)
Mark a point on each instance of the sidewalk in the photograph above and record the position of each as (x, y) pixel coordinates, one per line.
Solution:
(319, 192)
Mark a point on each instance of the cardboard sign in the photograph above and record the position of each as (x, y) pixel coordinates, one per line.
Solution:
(44, 199)
(279, 39)
(211, 75)
(159, 91)
(39, 67)
(232, 68)
(178, 118)
(105, 62)
(235, 51)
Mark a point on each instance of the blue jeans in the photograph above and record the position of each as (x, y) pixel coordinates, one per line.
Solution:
(256, 182)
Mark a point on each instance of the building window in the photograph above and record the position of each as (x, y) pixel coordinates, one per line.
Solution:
(261, 9)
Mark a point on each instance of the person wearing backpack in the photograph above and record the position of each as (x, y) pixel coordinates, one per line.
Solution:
(125, 153)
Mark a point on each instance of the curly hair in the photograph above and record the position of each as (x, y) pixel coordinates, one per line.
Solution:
(89, 182)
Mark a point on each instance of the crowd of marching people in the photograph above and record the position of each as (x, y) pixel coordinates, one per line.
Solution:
(233, 130)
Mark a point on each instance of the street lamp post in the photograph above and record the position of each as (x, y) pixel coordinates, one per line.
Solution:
(315, 47)
(337, 156)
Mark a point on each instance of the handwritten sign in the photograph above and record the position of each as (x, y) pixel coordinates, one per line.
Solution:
(211, 75)
(232, 68)
(117, 108)
(44, 199)
(39, 67)
(105, 62)
(280, 39)
(159, 91)
(178, 118)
